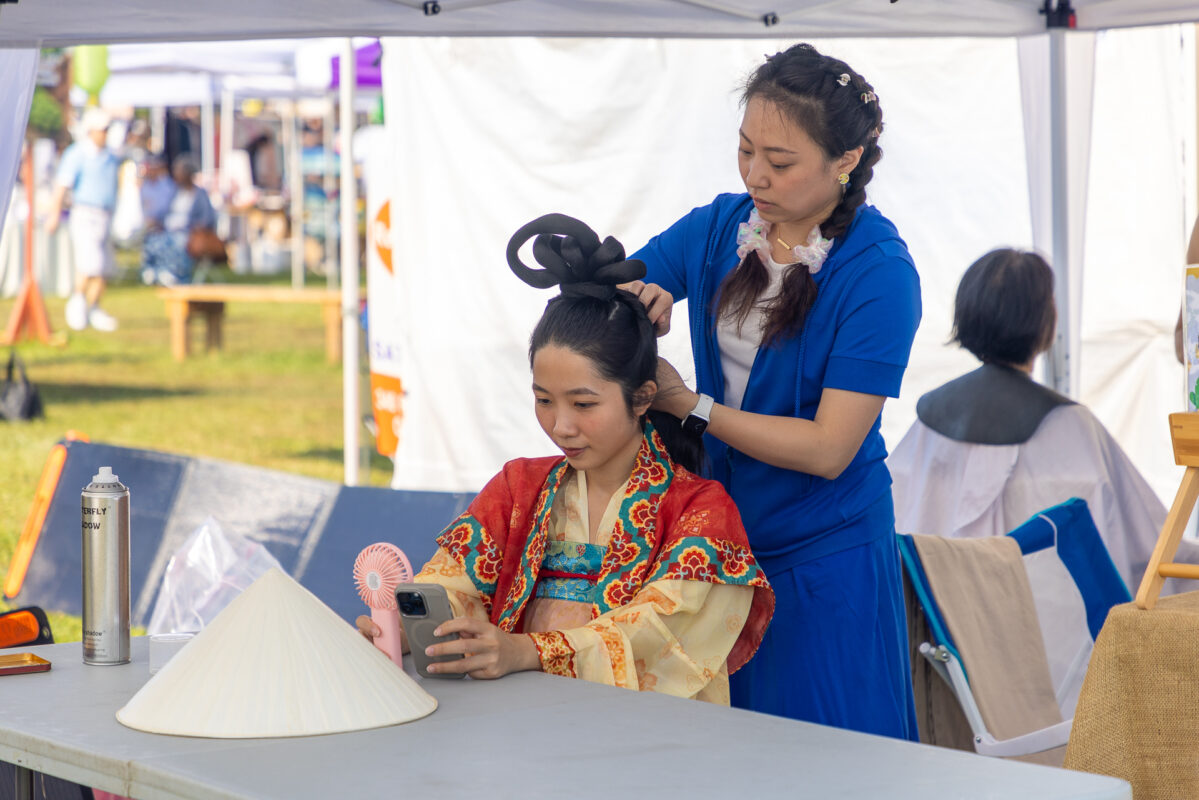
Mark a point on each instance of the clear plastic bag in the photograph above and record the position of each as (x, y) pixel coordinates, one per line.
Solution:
(204, 575)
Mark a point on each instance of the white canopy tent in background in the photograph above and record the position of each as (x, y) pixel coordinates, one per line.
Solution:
(19, 68)
(216, 74)
(76, 21)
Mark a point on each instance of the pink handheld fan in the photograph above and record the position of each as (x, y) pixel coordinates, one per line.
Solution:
(378, 569)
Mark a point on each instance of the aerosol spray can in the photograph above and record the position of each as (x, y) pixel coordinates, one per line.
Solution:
(105, 570)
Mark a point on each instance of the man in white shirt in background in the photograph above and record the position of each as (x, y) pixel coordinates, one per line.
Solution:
(89, 170)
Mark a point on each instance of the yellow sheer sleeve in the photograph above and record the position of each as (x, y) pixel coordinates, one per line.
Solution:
(465, 599)
(672, 638)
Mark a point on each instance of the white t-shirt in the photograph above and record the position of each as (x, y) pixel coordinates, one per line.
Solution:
(739, 349)
(180, 210)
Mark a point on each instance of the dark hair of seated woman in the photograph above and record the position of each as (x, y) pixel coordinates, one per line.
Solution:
(1004, 311)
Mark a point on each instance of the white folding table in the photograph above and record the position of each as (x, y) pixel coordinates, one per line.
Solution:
(526, 735)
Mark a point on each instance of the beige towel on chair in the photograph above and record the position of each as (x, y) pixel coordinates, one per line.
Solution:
(982, 589)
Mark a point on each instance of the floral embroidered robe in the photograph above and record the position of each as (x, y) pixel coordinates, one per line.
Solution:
(669, 599)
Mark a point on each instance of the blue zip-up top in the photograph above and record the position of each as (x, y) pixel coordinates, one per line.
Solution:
(857, 337)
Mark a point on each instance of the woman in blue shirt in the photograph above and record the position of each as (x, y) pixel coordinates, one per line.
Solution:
(803, 306)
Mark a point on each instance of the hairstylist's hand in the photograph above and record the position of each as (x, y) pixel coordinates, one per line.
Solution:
(657, 301)
(489, 651)
(673, 396)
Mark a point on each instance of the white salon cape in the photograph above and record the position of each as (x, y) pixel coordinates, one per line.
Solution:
(946, 487)
(949, 488)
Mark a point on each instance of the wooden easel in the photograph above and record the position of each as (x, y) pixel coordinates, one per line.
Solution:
(28, 317)
(1184, 433)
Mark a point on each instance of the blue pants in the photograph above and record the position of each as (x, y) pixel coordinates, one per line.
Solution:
(164, 258)
(836, 652)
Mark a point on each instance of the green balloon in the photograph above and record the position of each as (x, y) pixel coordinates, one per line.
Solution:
(91, 68)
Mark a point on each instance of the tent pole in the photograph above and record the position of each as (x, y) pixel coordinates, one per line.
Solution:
(349, 264)
(1060, 362)
(208, 137)
(330, 184)
(295, 185)
(226, 183)
(158, 127)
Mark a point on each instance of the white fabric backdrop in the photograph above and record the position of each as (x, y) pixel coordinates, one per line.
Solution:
(1057, 198)
(504, 130)
(16, 93)
(1140, 208)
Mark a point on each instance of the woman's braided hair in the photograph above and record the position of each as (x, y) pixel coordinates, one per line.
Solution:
(839, 110)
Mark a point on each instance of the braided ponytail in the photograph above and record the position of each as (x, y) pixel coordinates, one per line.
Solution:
(839, 110)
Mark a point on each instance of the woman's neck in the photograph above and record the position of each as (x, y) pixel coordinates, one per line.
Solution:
(1025, 368)
(607, 479)
(793, 233)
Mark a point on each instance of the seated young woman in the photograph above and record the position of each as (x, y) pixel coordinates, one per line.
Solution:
(614, 562)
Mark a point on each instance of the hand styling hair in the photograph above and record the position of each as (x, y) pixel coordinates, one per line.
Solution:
(591, 317)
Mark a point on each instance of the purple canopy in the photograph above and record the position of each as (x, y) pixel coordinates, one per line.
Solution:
(370, 73)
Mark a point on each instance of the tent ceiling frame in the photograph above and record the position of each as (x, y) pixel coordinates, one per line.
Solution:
(768, 18)
(1060, 15)
(434, 7)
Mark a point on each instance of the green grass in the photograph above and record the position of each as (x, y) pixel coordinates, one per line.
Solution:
(268, 398)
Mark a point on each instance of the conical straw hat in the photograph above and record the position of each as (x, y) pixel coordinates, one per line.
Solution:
(276, 662)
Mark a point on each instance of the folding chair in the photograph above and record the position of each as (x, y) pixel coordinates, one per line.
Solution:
(1006, 624)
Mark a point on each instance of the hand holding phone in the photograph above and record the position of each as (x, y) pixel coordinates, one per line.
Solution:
(424, 607)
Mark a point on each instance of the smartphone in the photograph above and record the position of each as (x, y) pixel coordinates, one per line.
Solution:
(424, 606)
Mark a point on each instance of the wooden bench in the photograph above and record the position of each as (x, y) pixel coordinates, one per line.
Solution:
(208, 300)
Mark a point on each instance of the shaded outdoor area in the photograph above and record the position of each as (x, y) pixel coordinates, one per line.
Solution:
(268, 399)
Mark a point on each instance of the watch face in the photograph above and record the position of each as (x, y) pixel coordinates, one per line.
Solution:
(695, 425)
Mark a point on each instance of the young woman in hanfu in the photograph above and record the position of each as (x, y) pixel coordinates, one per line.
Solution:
(613, 562)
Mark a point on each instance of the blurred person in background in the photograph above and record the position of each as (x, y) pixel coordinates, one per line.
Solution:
(157, 191)
(89, 171)
(166, 259)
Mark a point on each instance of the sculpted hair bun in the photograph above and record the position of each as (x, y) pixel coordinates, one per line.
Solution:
(573, 257)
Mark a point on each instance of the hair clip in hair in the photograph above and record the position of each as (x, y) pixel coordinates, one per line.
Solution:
(869, 97)
(844, 79)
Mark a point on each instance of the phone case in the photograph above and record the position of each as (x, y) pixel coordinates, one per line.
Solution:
(419, 629)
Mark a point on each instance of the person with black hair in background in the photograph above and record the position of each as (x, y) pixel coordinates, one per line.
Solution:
(803, 304)
(614, 562)
(993, 447)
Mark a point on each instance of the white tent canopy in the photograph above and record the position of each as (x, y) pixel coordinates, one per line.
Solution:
(65, 22)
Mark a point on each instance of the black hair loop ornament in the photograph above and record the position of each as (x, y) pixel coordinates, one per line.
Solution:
(573, 257)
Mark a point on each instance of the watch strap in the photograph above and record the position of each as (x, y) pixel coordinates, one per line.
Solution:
(703, 408)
